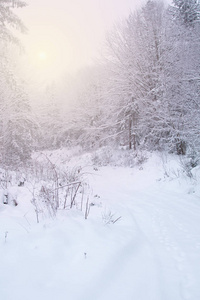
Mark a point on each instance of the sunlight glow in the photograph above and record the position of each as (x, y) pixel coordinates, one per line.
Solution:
(42, 55)
(49, 55)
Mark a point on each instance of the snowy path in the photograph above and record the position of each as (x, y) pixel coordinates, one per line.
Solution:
(167, 235)
(151, 253)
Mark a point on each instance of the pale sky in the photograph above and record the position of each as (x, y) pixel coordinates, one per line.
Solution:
(67, 34)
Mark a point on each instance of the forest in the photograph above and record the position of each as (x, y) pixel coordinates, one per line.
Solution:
(142, 94)
(100, 168)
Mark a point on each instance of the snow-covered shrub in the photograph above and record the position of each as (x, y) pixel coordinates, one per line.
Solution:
(132, 158)
(102, 157)
(187, 166)
(73, 174)
(8, 184)
(126, 158)
(6, 178)
(193, 158)
(189, 162)
(55, 186)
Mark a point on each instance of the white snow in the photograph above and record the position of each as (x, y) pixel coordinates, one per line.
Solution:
(151, 253)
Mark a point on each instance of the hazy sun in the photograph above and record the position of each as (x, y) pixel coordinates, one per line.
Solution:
(42, 55)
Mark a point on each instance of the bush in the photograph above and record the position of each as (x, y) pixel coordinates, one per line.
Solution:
(121, 158)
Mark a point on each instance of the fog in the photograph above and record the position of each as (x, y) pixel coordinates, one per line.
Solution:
(70, 33)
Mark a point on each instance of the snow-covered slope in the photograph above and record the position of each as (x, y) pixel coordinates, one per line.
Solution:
(152, 252)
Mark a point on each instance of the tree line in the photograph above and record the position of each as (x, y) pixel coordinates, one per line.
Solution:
(144, 92)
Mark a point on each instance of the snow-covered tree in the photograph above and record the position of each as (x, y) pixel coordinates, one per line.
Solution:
(188, 11)
(155, 65)
(9, 20)
(16, 121)
(49, 119)
(15, 115)
(182, 86)
(145, 93)
(136, 58)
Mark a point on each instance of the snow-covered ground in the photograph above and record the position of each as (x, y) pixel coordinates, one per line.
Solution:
(151, 252)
